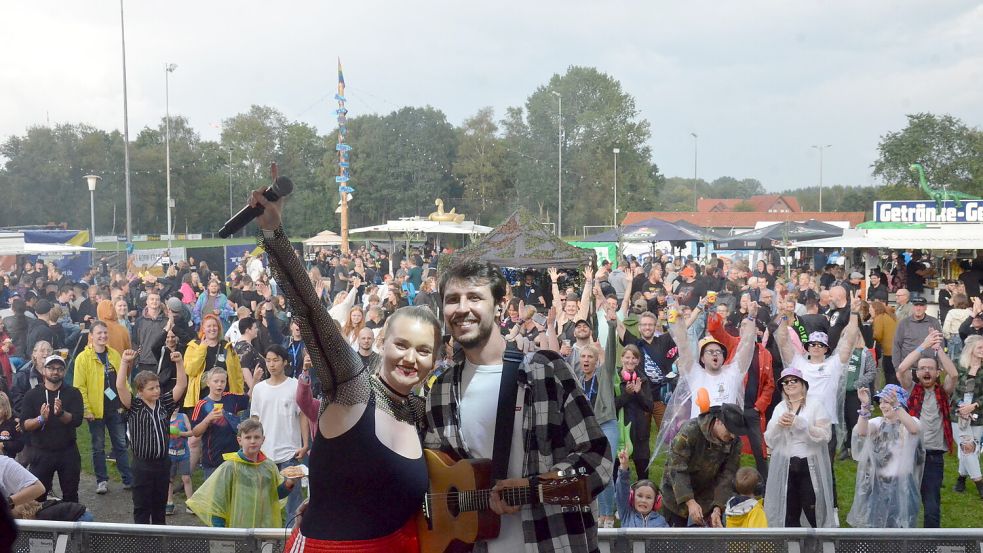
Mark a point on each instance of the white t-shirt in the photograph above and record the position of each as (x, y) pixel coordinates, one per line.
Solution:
(479, 408)
(276, 407)
(823, 379)
(727, 386)
(13, 477)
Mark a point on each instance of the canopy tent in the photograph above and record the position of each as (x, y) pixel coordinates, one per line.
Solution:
(704, 233)
(953, 236)
(521, 241)
(851, 238)
(323, 238)
(12, 243)
(649, 230)
(419, 225)
(779, 235)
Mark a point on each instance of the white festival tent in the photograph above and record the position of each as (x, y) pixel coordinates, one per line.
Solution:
(406, 228)
(955, 236)
(324, 238)
(12, 243)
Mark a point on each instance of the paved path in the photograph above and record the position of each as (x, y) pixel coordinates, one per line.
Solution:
(117, 505)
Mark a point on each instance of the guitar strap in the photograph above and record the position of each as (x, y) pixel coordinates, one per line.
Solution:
(505, 418)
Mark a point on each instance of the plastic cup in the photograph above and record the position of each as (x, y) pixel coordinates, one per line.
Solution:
(711, 297)
(217, 407)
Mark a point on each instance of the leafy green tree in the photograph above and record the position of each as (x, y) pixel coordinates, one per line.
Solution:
(481, 168)
(950, 152)
(597, 117)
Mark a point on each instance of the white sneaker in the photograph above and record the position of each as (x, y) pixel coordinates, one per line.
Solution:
(102, 488)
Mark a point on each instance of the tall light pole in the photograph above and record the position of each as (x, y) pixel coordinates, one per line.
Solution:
(126, 130)
(616, 152)
(559, 170)
(168, 69)
(231, 212)
(821, 147)
(696, 140)
(91, 181)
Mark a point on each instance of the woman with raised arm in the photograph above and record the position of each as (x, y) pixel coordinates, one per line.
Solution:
(367, 444)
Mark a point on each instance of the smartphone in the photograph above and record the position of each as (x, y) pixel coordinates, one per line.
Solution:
(540, 319)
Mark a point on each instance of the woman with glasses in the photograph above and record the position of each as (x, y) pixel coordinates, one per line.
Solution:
(799, 484)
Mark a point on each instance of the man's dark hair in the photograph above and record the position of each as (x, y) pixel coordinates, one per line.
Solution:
(245, 324)
(279, 350)
(472, 272)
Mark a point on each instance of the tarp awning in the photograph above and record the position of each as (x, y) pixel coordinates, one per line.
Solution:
(419, 225)
(779, 235)
(650, 230)
(521, 241)
(12, 243)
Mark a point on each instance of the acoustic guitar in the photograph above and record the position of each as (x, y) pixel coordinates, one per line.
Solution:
(456, 511)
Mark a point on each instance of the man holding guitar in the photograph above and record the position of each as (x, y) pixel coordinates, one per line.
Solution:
(528, 415)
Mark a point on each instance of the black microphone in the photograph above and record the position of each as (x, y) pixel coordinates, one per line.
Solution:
(281, 187)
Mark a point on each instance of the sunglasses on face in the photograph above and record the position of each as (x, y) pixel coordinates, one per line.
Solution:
(791, 381)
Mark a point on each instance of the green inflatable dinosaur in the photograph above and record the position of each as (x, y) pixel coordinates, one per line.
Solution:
(940, 195)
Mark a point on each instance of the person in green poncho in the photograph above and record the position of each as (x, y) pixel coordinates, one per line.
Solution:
(245, 491)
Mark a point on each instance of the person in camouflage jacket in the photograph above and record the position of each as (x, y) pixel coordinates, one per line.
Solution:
(698, 478)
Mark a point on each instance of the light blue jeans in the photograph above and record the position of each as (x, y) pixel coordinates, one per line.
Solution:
(114, 422)
(606, 499)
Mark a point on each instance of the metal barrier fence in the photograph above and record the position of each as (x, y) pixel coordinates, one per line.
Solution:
(94, 537)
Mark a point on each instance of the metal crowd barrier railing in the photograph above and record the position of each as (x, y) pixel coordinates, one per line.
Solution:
(96, 537)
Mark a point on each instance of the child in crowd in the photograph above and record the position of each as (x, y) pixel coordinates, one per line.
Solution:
(180, 430)
(744, 510)
(637, 504)
(215, 419)
(246, 491)
(148, 416)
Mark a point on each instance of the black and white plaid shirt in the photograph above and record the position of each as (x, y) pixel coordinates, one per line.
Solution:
(560, 433)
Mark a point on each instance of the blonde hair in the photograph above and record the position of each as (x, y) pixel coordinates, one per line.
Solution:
(6, 411)
(966, 357)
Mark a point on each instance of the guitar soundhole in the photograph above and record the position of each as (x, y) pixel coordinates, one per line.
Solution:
(453, 502)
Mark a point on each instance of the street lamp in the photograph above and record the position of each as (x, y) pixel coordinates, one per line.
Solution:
(168, 69)
(695, 152)
(616, 152)
(821, 148)
(559, 170)
(91, 181)
(126, 131)
(231, 212)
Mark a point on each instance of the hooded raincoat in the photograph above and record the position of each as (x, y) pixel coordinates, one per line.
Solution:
(241, 494)
(811, 429)
(890, 461)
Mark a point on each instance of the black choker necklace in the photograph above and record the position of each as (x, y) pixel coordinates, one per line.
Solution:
(391, 390)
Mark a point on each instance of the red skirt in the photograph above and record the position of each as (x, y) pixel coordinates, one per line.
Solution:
(404, 540)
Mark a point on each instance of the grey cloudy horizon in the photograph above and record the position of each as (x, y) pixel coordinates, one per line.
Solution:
(758, 81)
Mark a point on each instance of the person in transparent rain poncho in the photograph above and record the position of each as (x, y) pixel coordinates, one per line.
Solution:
(967, 425)
(800, 484)
(890, 459)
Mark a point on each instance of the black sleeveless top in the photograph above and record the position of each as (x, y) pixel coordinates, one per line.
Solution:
(361, 489)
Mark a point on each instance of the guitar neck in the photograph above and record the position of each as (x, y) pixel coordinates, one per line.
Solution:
(480, 500)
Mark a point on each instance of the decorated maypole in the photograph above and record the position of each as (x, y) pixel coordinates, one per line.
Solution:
(344, 151)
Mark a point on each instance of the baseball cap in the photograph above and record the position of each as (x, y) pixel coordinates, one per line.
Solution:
(581, 321)
(53, 358)
(856, 276)
(919, 300)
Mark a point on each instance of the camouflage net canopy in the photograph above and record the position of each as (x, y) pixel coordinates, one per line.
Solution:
(521, 241)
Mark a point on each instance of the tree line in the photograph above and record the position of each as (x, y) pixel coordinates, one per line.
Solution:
(402, 161)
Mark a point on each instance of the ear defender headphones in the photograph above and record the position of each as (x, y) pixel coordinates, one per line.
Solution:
(639, 484)
(629, 376)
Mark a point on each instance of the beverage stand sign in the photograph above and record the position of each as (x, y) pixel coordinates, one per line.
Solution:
(925, 211)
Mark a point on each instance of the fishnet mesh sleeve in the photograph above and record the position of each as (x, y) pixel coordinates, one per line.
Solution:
(343, 378)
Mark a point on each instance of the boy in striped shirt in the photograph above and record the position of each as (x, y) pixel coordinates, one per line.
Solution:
(148, 424)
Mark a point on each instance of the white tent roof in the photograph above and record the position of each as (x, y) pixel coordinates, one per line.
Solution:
(420, 225)
(12, 243)
(323, 238)
(934, 237)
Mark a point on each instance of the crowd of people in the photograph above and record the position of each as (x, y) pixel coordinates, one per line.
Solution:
(325, 376)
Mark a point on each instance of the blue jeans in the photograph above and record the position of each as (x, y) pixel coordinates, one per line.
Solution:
(606, 499)
(113, 421)
(296, 495)
(932, 488)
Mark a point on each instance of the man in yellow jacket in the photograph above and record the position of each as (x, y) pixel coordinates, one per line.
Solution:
(95, 378)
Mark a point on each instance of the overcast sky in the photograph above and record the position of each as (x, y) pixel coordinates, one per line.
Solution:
(758, 81)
